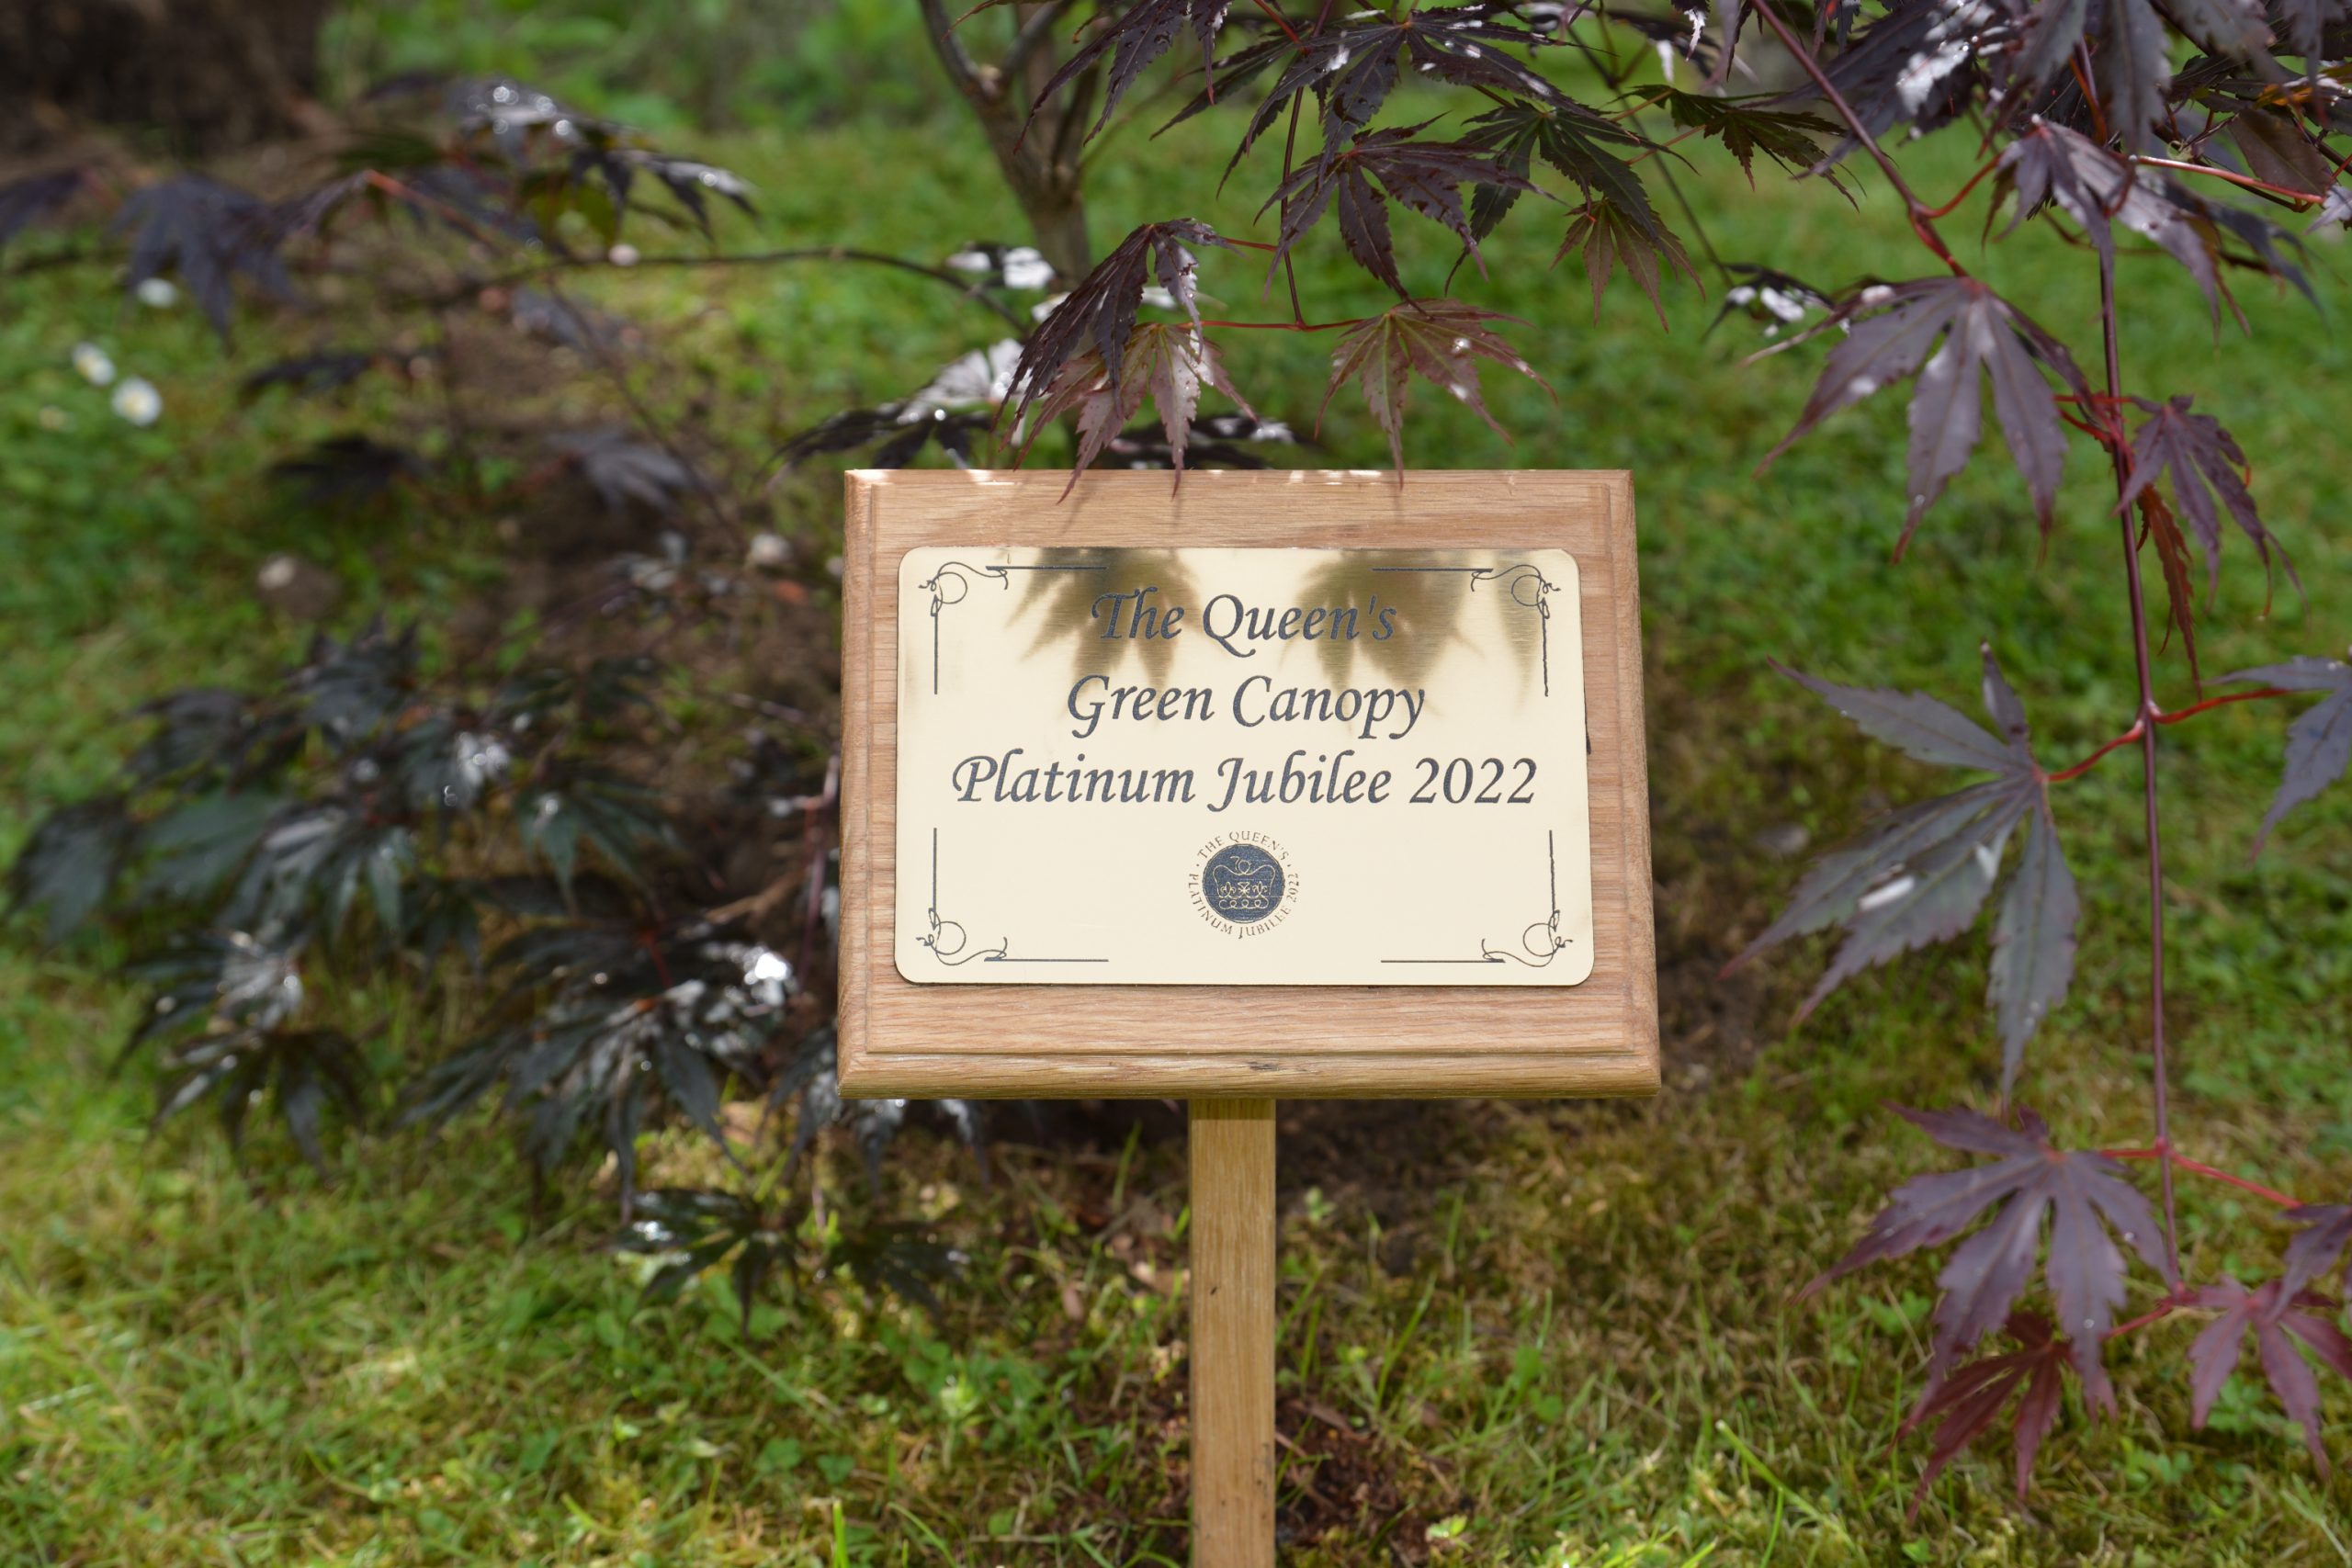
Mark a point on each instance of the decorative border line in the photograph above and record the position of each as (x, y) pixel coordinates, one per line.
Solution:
(953, 571)
(1541, 940)
(1513, 578)
(950, 950)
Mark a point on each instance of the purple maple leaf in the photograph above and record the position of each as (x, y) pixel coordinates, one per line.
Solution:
(2279, 1319)
(2083, 1194)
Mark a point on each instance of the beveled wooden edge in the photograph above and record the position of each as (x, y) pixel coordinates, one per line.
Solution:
(1011, 1073)
(1633, 789)
(1327, 1075)
(853, 942)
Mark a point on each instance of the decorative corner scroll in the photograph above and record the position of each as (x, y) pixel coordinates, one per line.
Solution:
(1541, 942)
(948, 940)
(1527, 586)
(952, 585)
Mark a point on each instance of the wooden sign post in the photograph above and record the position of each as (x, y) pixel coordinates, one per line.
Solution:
(1278, 784)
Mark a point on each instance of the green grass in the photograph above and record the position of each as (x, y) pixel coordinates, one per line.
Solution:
(1547, 1335)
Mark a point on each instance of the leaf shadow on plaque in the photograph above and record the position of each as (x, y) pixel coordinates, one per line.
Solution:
(1429, 612)
(1519, 595)
(1066, 600)
(1432, 604)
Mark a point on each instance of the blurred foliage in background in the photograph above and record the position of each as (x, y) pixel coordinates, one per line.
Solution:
(718, 65)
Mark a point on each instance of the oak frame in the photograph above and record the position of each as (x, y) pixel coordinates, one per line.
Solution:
(896, 1038)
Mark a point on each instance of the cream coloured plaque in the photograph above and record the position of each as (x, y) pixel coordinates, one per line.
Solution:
(1242, 767)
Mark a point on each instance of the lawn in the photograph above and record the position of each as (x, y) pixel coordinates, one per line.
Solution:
(1523, 1333)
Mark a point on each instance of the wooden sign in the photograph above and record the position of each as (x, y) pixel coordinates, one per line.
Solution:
(1278, 784)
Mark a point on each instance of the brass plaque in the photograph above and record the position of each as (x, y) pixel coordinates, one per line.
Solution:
(1242, 767)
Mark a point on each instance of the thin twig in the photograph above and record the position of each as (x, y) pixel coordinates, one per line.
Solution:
(2088, 763)
(1829, 90)
(961, 67)
(1691, 216)
(1290, 149)
(1921, 215)
(1287, 326)
(2177, 716)
(820, 823)
(2199, 1167)
(1614, 78)
(2157, 1314)
(2195, 708)
(2301, 198)
(2081, 66)
(1282, 219)
(553, 264)
(757, 905)
(1657, 147)
(1075, 124)
(2144, 664)
(1960, 196)
(451, 214)
(1024, 42)
(1288, 31)
(654, 430)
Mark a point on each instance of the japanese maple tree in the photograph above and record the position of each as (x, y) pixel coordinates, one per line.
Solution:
(2202, 131)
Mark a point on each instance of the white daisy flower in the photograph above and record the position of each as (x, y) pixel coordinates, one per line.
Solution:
(137, 400)
(92, 361)
(158, 292)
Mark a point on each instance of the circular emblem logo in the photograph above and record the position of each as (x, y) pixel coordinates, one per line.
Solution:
(1243, 884)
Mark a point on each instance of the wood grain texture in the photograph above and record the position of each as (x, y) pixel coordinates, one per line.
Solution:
(1599, 1038)
(1233, 1333)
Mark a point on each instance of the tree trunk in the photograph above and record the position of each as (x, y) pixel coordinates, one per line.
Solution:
(1047, 188)
(1059, 223)
(1038, 158)
(208, 73)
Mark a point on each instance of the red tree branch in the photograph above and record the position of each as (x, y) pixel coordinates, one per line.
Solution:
(1922, 216)
(2088, 763)
(2195, 708)
(2299, 198)
(2174, 1157)
(2162, 1310)
(1284, 326)
(1288, 31)
(2177, 716)
(2144, 665)
(1960, 194)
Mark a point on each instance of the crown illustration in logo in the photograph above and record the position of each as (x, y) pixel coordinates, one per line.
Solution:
(1244, 885)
